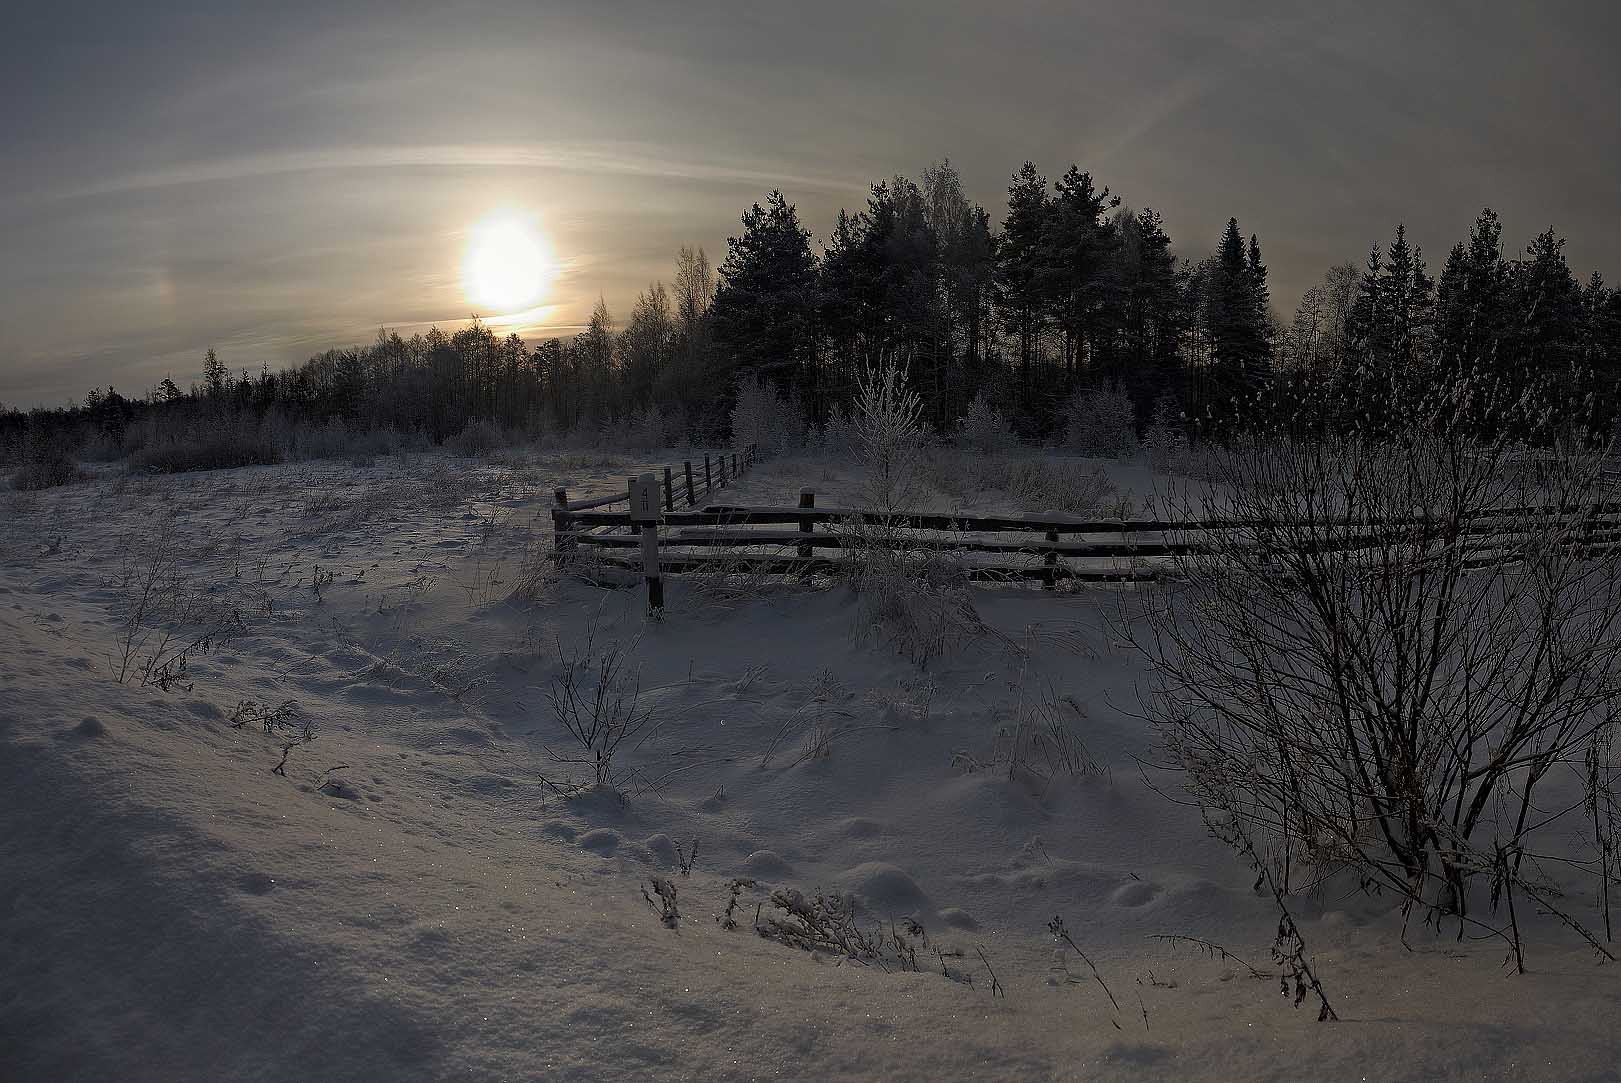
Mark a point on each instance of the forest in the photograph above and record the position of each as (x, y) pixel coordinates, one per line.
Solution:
(1073, 293)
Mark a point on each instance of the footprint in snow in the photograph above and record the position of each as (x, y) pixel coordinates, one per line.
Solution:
(602, 840)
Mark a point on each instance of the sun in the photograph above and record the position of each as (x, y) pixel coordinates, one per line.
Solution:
(509, 263)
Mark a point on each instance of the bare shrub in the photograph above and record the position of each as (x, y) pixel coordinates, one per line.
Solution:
(101, 447)
(445, 663)
(665, 905)
(1062, 935)
(47, 461)
(157, 606)
(1100, 423)
(480, 437)
(1038, 740)
(286, 722)
(1058, 485)
(829, 924)
(728, 918)
(332, 439)
(1389, 667)
(920, 601)
(217, 444)
(596, 697)
(537, 568)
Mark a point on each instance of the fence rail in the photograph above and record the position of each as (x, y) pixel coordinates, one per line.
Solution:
(676, 486)
(1006, 548)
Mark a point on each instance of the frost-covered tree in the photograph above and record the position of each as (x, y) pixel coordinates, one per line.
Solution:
(888, 436)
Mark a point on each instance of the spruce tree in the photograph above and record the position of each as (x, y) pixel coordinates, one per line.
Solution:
(1236, 315)
(1470, 304)
(1548, 304)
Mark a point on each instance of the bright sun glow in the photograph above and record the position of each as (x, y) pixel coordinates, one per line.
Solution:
(509, 263)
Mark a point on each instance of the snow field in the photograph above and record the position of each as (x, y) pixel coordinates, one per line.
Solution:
(414, 901)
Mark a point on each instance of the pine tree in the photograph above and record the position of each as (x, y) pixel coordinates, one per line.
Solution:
(1153, 308)
(1022, 279)
(763, 312)
(1079, 255)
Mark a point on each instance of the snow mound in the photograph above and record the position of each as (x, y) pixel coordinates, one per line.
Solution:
(766, 863)
(882, 886)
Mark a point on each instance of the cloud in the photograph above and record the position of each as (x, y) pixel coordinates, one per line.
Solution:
(636, 160)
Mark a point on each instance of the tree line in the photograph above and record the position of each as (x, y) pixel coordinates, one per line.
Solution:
(1072, 290)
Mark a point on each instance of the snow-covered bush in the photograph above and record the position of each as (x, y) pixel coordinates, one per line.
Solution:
(984, 429)
(647, 431)
(295, 439)
(326, 441)
(1100, 423)
(837, 437)
(751, 414)
(772, 423)
(612, 434)
(101, 447)
(921, 603)
(950, 471)
(1057, 485)
(1166, 440)
(480, 437)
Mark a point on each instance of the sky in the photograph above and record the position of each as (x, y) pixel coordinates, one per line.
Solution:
(272, 180)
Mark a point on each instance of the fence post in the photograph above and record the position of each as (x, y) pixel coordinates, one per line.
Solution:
(644, 509)
(691, 500)
(669, 491)
(1050, 576)
(708, 484)
(723, 471)
(563, 540)
(807, 499)
(734, 466)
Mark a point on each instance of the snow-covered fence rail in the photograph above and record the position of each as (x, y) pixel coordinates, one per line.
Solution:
(688, 484)
(1042, 548)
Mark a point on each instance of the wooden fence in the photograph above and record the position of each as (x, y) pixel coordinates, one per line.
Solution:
(1047, 549)
(689, 485)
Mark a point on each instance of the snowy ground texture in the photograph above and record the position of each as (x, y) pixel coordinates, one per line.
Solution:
(411, 900)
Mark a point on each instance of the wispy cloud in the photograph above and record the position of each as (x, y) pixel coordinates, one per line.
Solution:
(638, 160)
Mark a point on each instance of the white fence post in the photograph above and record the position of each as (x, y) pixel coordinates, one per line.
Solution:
(644, 509)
